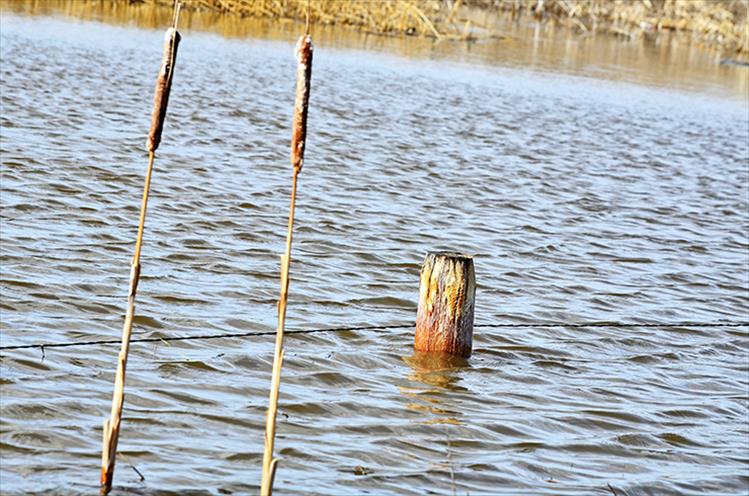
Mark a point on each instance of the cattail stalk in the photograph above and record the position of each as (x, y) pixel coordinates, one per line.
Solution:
(111, 430)
(298, 142)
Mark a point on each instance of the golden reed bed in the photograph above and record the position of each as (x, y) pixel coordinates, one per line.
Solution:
(718, 23)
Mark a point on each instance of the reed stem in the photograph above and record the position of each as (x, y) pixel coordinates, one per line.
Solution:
(112, 425)
(298, 144)
(111, 431)
(269, 462)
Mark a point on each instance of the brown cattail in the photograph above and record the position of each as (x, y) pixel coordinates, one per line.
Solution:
(163, 86)
(298, 138)
(111, 434)
(301, 103)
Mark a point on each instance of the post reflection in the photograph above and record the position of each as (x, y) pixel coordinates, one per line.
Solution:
(441, 374)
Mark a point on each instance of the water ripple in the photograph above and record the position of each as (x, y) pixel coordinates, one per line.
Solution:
(582, 200)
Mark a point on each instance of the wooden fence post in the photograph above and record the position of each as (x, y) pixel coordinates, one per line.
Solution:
(447, 289)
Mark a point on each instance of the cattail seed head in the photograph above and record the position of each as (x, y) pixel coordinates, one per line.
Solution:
(301, 104)
(163, 87)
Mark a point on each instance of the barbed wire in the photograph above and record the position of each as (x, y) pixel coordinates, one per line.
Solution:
(66, 344)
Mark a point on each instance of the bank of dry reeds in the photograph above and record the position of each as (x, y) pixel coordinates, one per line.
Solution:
(721, 23)
(431, 18)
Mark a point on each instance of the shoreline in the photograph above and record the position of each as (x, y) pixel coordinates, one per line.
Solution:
(715, 24)
(667, 60)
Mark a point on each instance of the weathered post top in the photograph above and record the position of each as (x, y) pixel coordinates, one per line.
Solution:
(447, 290)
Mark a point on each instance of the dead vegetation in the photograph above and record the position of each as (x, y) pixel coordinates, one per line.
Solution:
(722, 23)
(430, 18)
(719, 23)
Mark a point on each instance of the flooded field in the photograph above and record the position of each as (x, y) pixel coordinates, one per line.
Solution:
(594, 182)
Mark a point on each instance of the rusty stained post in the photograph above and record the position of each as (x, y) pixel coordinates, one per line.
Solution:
(447, 289)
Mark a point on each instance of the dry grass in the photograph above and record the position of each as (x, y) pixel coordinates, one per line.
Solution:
(715, 22)
(720, 23)
(430, 18)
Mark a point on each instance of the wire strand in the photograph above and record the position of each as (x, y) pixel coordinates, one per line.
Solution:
(67, 344)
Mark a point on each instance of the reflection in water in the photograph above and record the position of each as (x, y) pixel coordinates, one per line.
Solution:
(437, 369)
(442, 372)
(669, 60)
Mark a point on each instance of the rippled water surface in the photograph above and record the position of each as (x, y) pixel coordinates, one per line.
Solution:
(583, 199)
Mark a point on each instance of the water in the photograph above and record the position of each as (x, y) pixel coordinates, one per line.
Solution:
(584, 198)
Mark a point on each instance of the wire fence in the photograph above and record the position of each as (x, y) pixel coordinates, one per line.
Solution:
(198, 337)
